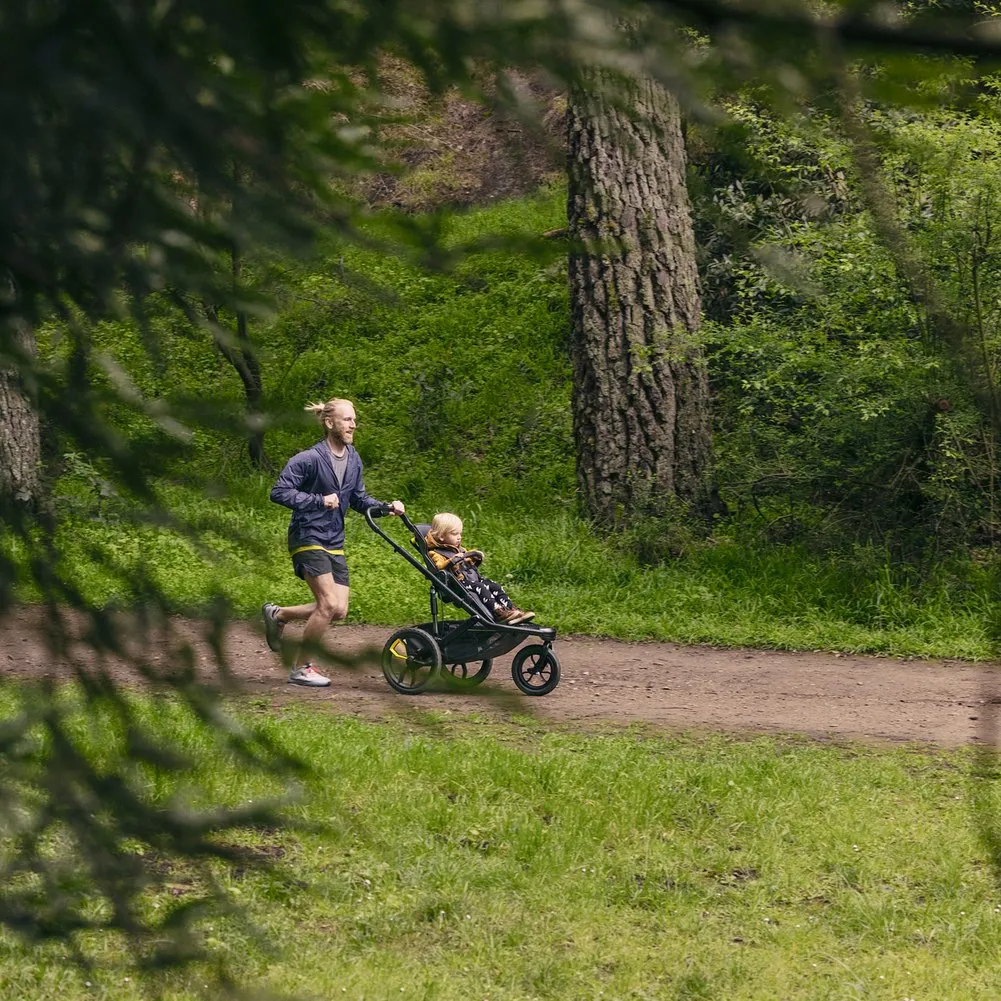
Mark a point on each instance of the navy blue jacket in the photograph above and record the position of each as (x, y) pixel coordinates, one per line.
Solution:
(306, 479)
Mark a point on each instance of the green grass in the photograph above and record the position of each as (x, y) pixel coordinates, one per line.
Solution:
(730, 592)
(462, 385)
(476, 859)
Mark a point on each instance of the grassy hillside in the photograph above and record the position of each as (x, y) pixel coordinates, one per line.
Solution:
(461, 382)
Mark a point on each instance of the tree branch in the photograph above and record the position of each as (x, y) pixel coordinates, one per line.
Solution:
(940, 34)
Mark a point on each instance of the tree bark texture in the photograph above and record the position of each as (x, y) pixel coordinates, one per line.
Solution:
(640, 391)
(20, 435)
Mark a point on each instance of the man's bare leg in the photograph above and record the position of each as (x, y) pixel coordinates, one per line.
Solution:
(331, 605)
(294, 613)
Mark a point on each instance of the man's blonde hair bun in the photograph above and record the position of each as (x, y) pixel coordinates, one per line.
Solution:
(324, 410)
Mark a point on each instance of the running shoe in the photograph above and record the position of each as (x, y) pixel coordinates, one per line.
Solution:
(273, 629)
(308, 676)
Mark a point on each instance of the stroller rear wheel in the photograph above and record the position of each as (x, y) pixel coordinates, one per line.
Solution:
(411, 659)
(466, 675)
(535, 669)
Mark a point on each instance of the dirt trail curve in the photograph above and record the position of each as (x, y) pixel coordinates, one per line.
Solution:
(821, 695)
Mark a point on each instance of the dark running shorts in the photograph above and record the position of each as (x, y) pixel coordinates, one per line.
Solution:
(316, 562)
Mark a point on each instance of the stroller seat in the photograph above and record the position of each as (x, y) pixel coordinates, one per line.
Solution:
(444, 581)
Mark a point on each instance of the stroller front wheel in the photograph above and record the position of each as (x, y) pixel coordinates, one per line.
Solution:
(411, 659)
(535, 669)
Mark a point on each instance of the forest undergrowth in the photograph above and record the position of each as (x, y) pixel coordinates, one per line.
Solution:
(854, 521)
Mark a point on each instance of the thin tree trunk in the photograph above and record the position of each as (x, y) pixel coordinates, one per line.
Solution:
(640, 395)
(242, 357)
(249, 369)
(241, 354)
(20, 435)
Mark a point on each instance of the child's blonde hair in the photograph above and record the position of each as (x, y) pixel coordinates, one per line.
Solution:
(445, 521)
(325, 410)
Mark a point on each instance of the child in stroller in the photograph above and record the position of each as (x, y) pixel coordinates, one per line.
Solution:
(444, 543)
(462, 649)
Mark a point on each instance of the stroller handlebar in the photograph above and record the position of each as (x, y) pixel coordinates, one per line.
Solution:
(383, 511)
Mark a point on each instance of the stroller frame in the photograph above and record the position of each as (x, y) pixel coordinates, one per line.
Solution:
(415, 656)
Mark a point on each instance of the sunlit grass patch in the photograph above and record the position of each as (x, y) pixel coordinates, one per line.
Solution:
(505, 861)
(727, 592)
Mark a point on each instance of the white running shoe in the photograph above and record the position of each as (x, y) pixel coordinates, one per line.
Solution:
(308, 675)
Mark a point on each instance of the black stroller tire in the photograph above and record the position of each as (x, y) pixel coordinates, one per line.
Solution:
(458, 676)
(535, 669)
(411, 660)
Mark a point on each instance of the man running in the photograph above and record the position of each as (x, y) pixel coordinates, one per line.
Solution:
(316, 485)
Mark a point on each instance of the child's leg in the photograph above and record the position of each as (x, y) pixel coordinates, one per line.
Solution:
(504, 608)
(483, 593)
(498, 596)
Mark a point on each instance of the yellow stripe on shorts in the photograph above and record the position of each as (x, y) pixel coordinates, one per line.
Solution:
(330, 552)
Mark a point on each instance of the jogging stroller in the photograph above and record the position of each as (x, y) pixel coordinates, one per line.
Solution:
(460, 652)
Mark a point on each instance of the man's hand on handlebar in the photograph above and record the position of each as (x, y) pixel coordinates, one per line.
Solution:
(381, 510)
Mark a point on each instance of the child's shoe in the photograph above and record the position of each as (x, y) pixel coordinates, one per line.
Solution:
(512, 616)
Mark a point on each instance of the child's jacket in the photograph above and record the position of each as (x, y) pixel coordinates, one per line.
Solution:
(464, 571)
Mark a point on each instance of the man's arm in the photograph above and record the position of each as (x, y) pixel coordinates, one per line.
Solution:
(286, 489)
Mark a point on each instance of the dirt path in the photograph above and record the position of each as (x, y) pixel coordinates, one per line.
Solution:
(948, 703)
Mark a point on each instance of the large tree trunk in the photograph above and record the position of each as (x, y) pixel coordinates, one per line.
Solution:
(640, 393)
(20, 437)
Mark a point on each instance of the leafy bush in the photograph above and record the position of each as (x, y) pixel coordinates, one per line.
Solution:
(841, 413)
